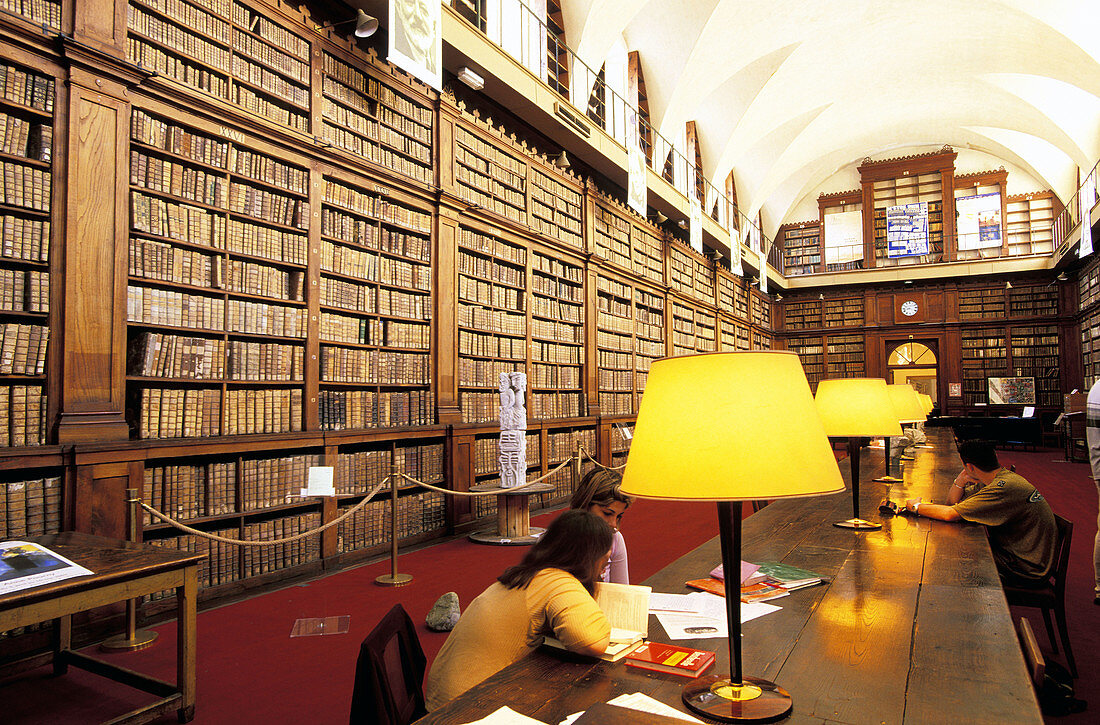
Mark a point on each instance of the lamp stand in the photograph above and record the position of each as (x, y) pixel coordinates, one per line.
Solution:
(736, 698)
(887, 478)
(856, 522)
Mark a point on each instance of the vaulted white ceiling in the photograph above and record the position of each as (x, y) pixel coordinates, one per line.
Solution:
(788, 94)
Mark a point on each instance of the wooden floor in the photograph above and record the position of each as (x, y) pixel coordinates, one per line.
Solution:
(912, 628)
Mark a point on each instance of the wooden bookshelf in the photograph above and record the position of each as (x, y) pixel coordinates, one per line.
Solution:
(844, 356)
(650, 340)
(649, 254)
(802, 315)
(690, 273)
(615, 345)
(801, 248)
(555, 208)
(1029, 224)
(492, 320)
(557, 338)
(27, 116)
(1033, 301)
(489, 176)
(917, 188)
(811, 352)
(984, 354)
(1036, 352)
(761, 310)
(844, 312)
(981, 303)
(611, 232)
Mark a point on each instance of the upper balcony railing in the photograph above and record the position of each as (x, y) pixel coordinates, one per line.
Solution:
(1085, 198)
(524, 36)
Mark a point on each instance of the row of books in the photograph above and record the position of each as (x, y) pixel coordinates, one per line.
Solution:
(497, 321)
(554, 193)
(373, 88)
(558, 310)
(163, 355)
(558, 331)
(39, 12)
(24, 290)
(373, 267)
(490, 269)
(557, 288)
(356, 409)
(488, 345)
(371, 525)
(555, 376)
(620, 380)
(487, 293)
(554, 405)
(614, 323)
(373, 367)
(272, 56)
(177, 38)
(188, 492)
(28, 89)
(614, 360)
(182, 222)
(220, 563)
(553, 353)
(276, 410)
(23, 349)
(488, 151)
(30, 508)
(614, 341)
(153, 131)
(491, 246)
(378, 130)
(179, 413)
(480, 199)
(251, 101)
(274, 83)
(26, 421)
(257, 240)
(268, 205)
(263, 559)
(486, 171)
(184, 182)
(376, 206)
(377, 153)
(487, 453)
(30, 139)
(25, 186)
(205, 23)
(155, 59)
(484, 373)
(26, 239)
(612, 403)
(267, 482)
(264, 281)
(371, 331)
(157, 260)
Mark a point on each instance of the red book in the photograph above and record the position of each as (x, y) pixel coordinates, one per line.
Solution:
(661, 657)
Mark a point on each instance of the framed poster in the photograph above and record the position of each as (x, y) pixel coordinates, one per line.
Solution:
(1011, 391)
(978, 221)
(954, 390)
(416, 39)
(907, 230)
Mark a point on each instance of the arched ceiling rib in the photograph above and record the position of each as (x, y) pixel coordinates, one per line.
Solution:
(782, 93)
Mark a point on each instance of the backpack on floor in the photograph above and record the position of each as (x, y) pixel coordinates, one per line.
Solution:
(1056, 696)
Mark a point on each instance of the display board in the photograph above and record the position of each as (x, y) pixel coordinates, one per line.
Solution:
(907, 230)
(1011, 391)
(843, 236)
(978, 221)
(416, 39)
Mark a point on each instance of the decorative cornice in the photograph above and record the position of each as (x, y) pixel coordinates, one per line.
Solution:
(836, 195)
(868, 162)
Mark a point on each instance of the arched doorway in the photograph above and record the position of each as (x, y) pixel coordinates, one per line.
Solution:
(915, 362)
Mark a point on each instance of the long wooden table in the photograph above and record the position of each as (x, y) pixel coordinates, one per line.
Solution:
(912, 628)
(121, 571)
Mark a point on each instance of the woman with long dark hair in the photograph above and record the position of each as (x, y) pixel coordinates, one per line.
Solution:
(549, 593)
(599, 493)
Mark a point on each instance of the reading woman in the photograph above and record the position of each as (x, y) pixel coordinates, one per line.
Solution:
(599, 493)
(548, 593)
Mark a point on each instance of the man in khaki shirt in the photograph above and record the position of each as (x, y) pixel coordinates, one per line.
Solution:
(1022, 531)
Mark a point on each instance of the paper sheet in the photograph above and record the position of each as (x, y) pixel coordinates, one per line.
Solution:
(676, 624)
(506, 716)
(643, 703)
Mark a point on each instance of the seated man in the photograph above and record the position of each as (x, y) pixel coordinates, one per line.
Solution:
(1022, 531)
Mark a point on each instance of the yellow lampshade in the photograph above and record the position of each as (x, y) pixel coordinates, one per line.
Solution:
(729, 426)
(856, 407)
(906, 403)
(926, 401)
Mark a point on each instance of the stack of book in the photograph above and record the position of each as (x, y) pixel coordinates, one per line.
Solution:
(760, 582)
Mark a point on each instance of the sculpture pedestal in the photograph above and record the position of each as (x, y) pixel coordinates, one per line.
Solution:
(513, 515)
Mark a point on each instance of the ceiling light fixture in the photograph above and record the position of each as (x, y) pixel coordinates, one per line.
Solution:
(562, 161)
(471, 78)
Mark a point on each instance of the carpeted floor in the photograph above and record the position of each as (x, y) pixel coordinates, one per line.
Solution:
(251, 671)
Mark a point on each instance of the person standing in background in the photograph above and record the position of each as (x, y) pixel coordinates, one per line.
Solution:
(1092, 435)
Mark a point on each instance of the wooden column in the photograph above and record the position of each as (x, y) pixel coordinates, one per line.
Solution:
(444, 333)
(94, 165)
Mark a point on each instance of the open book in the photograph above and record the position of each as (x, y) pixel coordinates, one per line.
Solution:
(627, 609)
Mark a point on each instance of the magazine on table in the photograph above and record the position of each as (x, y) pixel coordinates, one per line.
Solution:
(25, 565)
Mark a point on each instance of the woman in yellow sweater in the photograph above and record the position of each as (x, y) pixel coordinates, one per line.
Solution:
(548, 593)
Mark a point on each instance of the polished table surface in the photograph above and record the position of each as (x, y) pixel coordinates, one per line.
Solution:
(912, 628)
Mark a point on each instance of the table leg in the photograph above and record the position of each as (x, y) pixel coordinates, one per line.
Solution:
(62, 641)
(186, 623)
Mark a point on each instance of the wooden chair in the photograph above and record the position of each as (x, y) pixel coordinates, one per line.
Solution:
(1036, 665)
(389, 674)
(1052, 594)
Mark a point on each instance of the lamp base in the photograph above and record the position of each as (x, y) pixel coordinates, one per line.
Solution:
(905, 458)
(393, 580)
(858, 525)
(888, 479)
(754, 700)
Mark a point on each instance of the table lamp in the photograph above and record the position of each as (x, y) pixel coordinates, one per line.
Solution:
(908, 407)
(856, 408)
(730, 427)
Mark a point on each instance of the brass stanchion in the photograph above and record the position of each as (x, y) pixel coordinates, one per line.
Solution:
(393, 579)
(134, 638)
(576, 463)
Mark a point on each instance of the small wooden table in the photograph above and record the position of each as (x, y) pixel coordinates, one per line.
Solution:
(122, 570)
(513, 515)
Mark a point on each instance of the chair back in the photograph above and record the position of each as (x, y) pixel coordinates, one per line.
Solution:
(1061, 555)
(389, 674)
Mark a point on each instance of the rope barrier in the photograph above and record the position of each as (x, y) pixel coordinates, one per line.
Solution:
(538, 480)
(606, 468)
(267, 542)
(271, 542)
